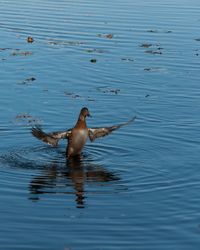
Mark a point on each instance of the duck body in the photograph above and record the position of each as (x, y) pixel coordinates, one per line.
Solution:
(79, 135)
(76, 141)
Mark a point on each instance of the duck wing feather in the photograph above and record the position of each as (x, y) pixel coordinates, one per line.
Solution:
(95, 133)
(50, 138)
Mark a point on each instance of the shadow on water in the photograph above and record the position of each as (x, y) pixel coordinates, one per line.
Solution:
(60, 175)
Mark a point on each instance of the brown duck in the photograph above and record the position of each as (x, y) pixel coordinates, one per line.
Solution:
(78, 135)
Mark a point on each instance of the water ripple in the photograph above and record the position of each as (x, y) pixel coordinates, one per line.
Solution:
(139, 186)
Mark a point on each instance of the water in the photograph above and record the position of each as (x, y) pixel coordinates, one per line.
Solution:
(138, 188)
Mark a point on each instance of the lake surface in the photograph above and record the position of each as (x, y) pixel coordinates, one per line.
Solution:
(138, 188)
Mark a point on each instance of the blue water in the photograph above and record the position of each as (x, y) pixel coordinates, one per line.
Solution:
(138, 188)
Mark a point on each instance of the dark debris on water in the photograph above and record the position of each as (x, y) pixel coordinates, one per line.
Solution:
(153, 52)
(156, 31)
(3, 49)
(26, 119)
(108, 36)
(99, 51)
(156, 49)
(28, 80)
(93, 60)
(65, 43)
(154, 69)
(146, 45)
(127, 59)
(18, 52)
(77, 96)
(30, 39)
(108, 90)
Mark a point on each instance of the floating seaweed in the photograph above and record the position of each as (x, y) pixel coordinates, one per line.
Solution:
(75, 96)
(153, 52)
(100, 51)
(146, 45)
(152, 69)
(108, 90)
(156, 49)
(152, 31)
(65, 43)
(3, 49)
(26, 119)
(90, 99)
(29, 80)
(30, 39)
(17, 52)
(108, 36)
(93, 60)
(156, 31)
(127, 59)
(72, 95)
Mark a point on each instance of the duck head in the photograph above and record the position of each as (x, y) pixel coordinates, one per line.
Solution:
(84, 113)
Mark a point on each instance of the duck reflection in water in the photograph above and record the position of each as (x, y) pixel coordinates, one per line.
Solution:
(75, 174)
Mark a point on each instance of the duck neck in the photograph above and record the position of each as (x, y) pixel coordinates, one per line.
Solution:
(81, 123)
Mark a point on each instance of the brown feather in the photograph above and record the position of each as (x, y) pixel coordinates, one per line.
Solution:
(95, 133)
(51, 138)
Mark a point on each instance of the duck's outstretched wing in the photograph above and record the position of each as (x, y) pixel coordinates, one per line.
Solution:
(50, 138)
(95, 133)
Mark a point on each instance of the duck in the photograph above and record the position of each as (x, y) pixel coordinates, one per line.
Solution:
(78, 135)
